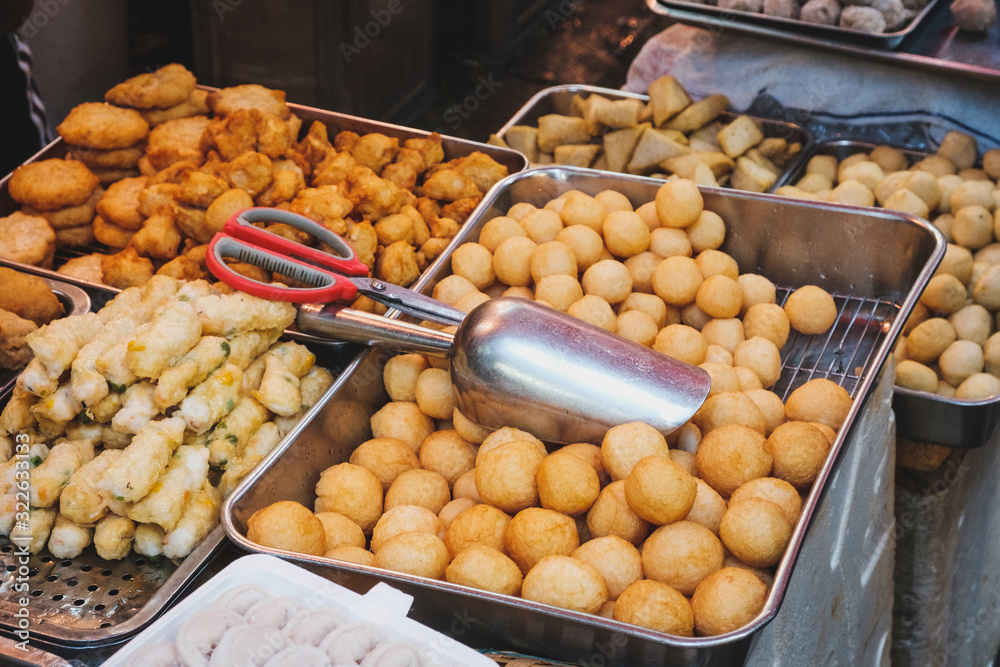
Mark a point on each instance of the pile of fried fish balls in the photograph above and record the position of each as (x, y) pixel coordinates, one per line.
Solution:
(678, 533)
(950, 345)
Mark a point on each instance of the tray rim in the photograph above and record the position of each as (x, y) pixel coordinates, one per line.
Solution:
(782, 576)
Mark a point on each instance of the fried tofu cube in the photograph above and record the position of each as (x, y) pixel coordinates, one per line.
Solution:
(524, 138)
(618, 114)
(556, 130)
(653, 147)
(667, 97)
(699, 114)
(575, 155)
(752, 177)
(618, 146)
(686, 165)
(740, 136)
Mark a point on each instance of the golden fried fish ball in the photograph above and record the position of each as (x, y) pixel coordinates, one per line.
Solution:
(830, 434)
(586, 244)
(565, 582)
(676, 280)
(505, 476)
(727, 332)
(552, 257)
(590, 453)
(479, 524)
(386, 457)
(819, 400)
(340, 531)
(288, 526)
(484, 568)
(611, 515)
(508, 434)
(433, 393)
(756, 289)
(450, 511)
(915, 375)
(541, 225)
(351, 554)
(960, 360)
(535, 532)
(403, 519)
(648, 214)
(778, 491)
(567, 483)
(731, 456)
(650, 604)
(972, 322)
(755, 531)
(519, 293)
(559, 290)
(625, 444)
(723, 377)
(762, 573)
(681, 342)
(694, 317)
(512, 261)
(625, 234)
(465, 486)
(685, 460)
(727, 600)
(416, 553)
(473, 262)
(641, 268)
(402, 420)
(731, 407)
(447, 453)
(650, 304)
(717, 263)
(707, 233)
(719, 297)
(400, 376)
(616, 559)
(716, 354)
(708, 508)
(811, 310)
(594, 310)
(681, 555)
(748, 378)
(945, 294)
(977, 387)
(799, 451)
(498, 230)
(469, 302)
(669, 242)
(352, 491)
(679, 203)
(452, 288)
(613, 201)
(767, 320)
(608, 279)
(762, 357)
(929, 339)
(425, 488)
(660, 490)
(638, 327)
(582, 209)
(468, 429)
(519, 210)
(770, 406)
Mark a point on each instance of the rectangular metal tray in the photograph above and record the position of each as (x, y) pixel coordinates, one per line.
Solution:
(950, 422)
(558, 99)
(791, 242)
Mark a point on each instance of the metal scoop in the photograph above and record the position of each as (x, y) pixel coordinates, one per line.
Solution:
(517, 363)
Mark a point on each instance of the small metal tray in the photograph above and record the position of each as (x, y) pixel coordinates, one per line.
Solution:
(887, 40)
(792, 242)
(558, 99)
(950, 422)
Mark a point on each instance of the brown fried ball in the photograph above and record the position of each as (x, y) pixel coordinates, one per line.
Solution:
(681, 555)
(708, 508)
(340, 531)
(352, 491)
(659, 490)
(447, 453)
(819, 400)
(288, 526)
(536, 532)
(811, 310)
(625, 444)
(465, 486)
(565, 582)
(650, 604)
(799, 450)
(567, 484)
(452, 509)
(480, 524)
(402, 420)
(505, 475)
(732, 407)
(484, 568)
(434, 394)
(611, 515)
(416, 553)
(616, 559)
(425, 488)
(508, 434)
(400, 375)
(755, 531)
(386, 457)
(403, 519)
(727, 600)
(730, 456)
(778, 491)
(351, 554)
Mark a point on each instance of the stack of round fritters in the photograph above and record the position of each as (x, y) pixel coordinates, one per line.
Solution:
(64, 193)
(168, 93)
(108, 139)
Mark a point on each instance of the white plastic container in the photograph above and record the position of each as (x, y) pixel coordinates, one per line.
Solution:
(382, 606)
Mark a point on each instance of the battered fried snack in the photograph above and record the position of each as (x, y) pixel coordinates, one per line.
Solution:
(120, 203)
(126, 269)
(158, 237)
(168, 86)
(28, 296)
(287, 525)
(14, 350)
(118, 158)
(176, 141)
(103, 126)
(110, 234)
(194, 105)
(27, 239)
(47, 185)
(249, 96)
(69, 216)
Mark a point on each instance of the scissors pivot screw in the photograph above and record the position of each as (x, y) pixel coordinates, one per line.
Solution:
(378, 286)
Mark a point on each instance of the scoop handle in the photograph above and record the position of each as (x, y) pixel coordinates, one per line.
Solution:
(356, 326)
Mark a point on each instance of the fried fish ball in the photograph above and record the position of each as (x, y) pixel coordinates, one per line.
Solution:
(567, 483)
(708, 508)
(452, 509)
(651, 305)
(770, 406)
(498, 230)
(756, 289)
(762, 356)
(425, 488)
(727, 600)
(681, 555)
(585, 243)
(650, 604)
(777, 491)
(679, 203)
(978, 386)
(508, 434)
(972, 227)
(973, 322)
(582, 209)
(565, 582)
(609, 280)
(402, 420)
(473, 262)
(625, 234)
(480, 524)
(417, 553)
(594, 310)
(670, 242)
(452, 288)
(929, 339)
(590, 453)
(730, 456)
(535, 532)
(676, 280)
(728, 408)
(340, 531)
(387, 458)
(465, 486)
(681, 342)
(727, 332)
(434, 395)
(659, 490)
(505, 475)
(352, 491)
(767, 320)
(723, 377)
(719, 297)
(403, 519)
(559, 290)
(447, 453)
(616, 559)
(986, 287)
(755, 531)
(611, 515)
(288, 526)
(960, 360)
(811, 310)
(541, 225)
(819, 400)
(638, 327)
(486, 569)
(512, 261)
(468, 429)
(717, 263)
(400, 376)
(799, 451)
(624, 445)
(351, 554)
(707, 232)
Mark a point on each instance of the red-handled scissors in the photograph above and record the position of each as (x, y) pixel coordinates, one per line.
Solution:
(330, 277)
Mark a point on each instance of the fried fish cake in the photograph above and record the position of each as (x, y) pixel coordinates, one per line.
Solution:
(69, 216)
(75, 236)
(166, 87)
(14, 350)
(120, 203)
(118, 158)
(194, 105)
(126, 269)
(248, 96)
(28, 296)
(109, 176)
(176, 141)
(99, 125)
(27, 239)
(50, 184)
(86, 268)
(158, 237)
(111, 234)
(182, 268)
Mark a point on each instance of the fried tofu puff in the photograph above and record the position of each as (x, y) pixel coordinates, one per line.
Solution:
(184, 475)
(208, 354)
(81, 500)
(57, 344)
(199, 517)
(14, 350)
(138, 407)
(37, 530)
(113, 537)
(160, 343)
(133, 475)
(69, 539)
(257, 447)
(28, 296)
(232, 314)
(54, 473)
(212, 399)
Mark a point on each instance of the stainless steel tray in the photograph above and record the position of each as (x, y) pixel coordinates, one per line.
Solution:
(950, 422)
(935, 45)
(790, 241)
(558, 99)
(841, 149)
(886, 40)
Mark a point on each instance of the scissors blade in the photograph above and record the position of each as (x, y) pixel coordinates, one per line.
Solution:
(408, 301)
